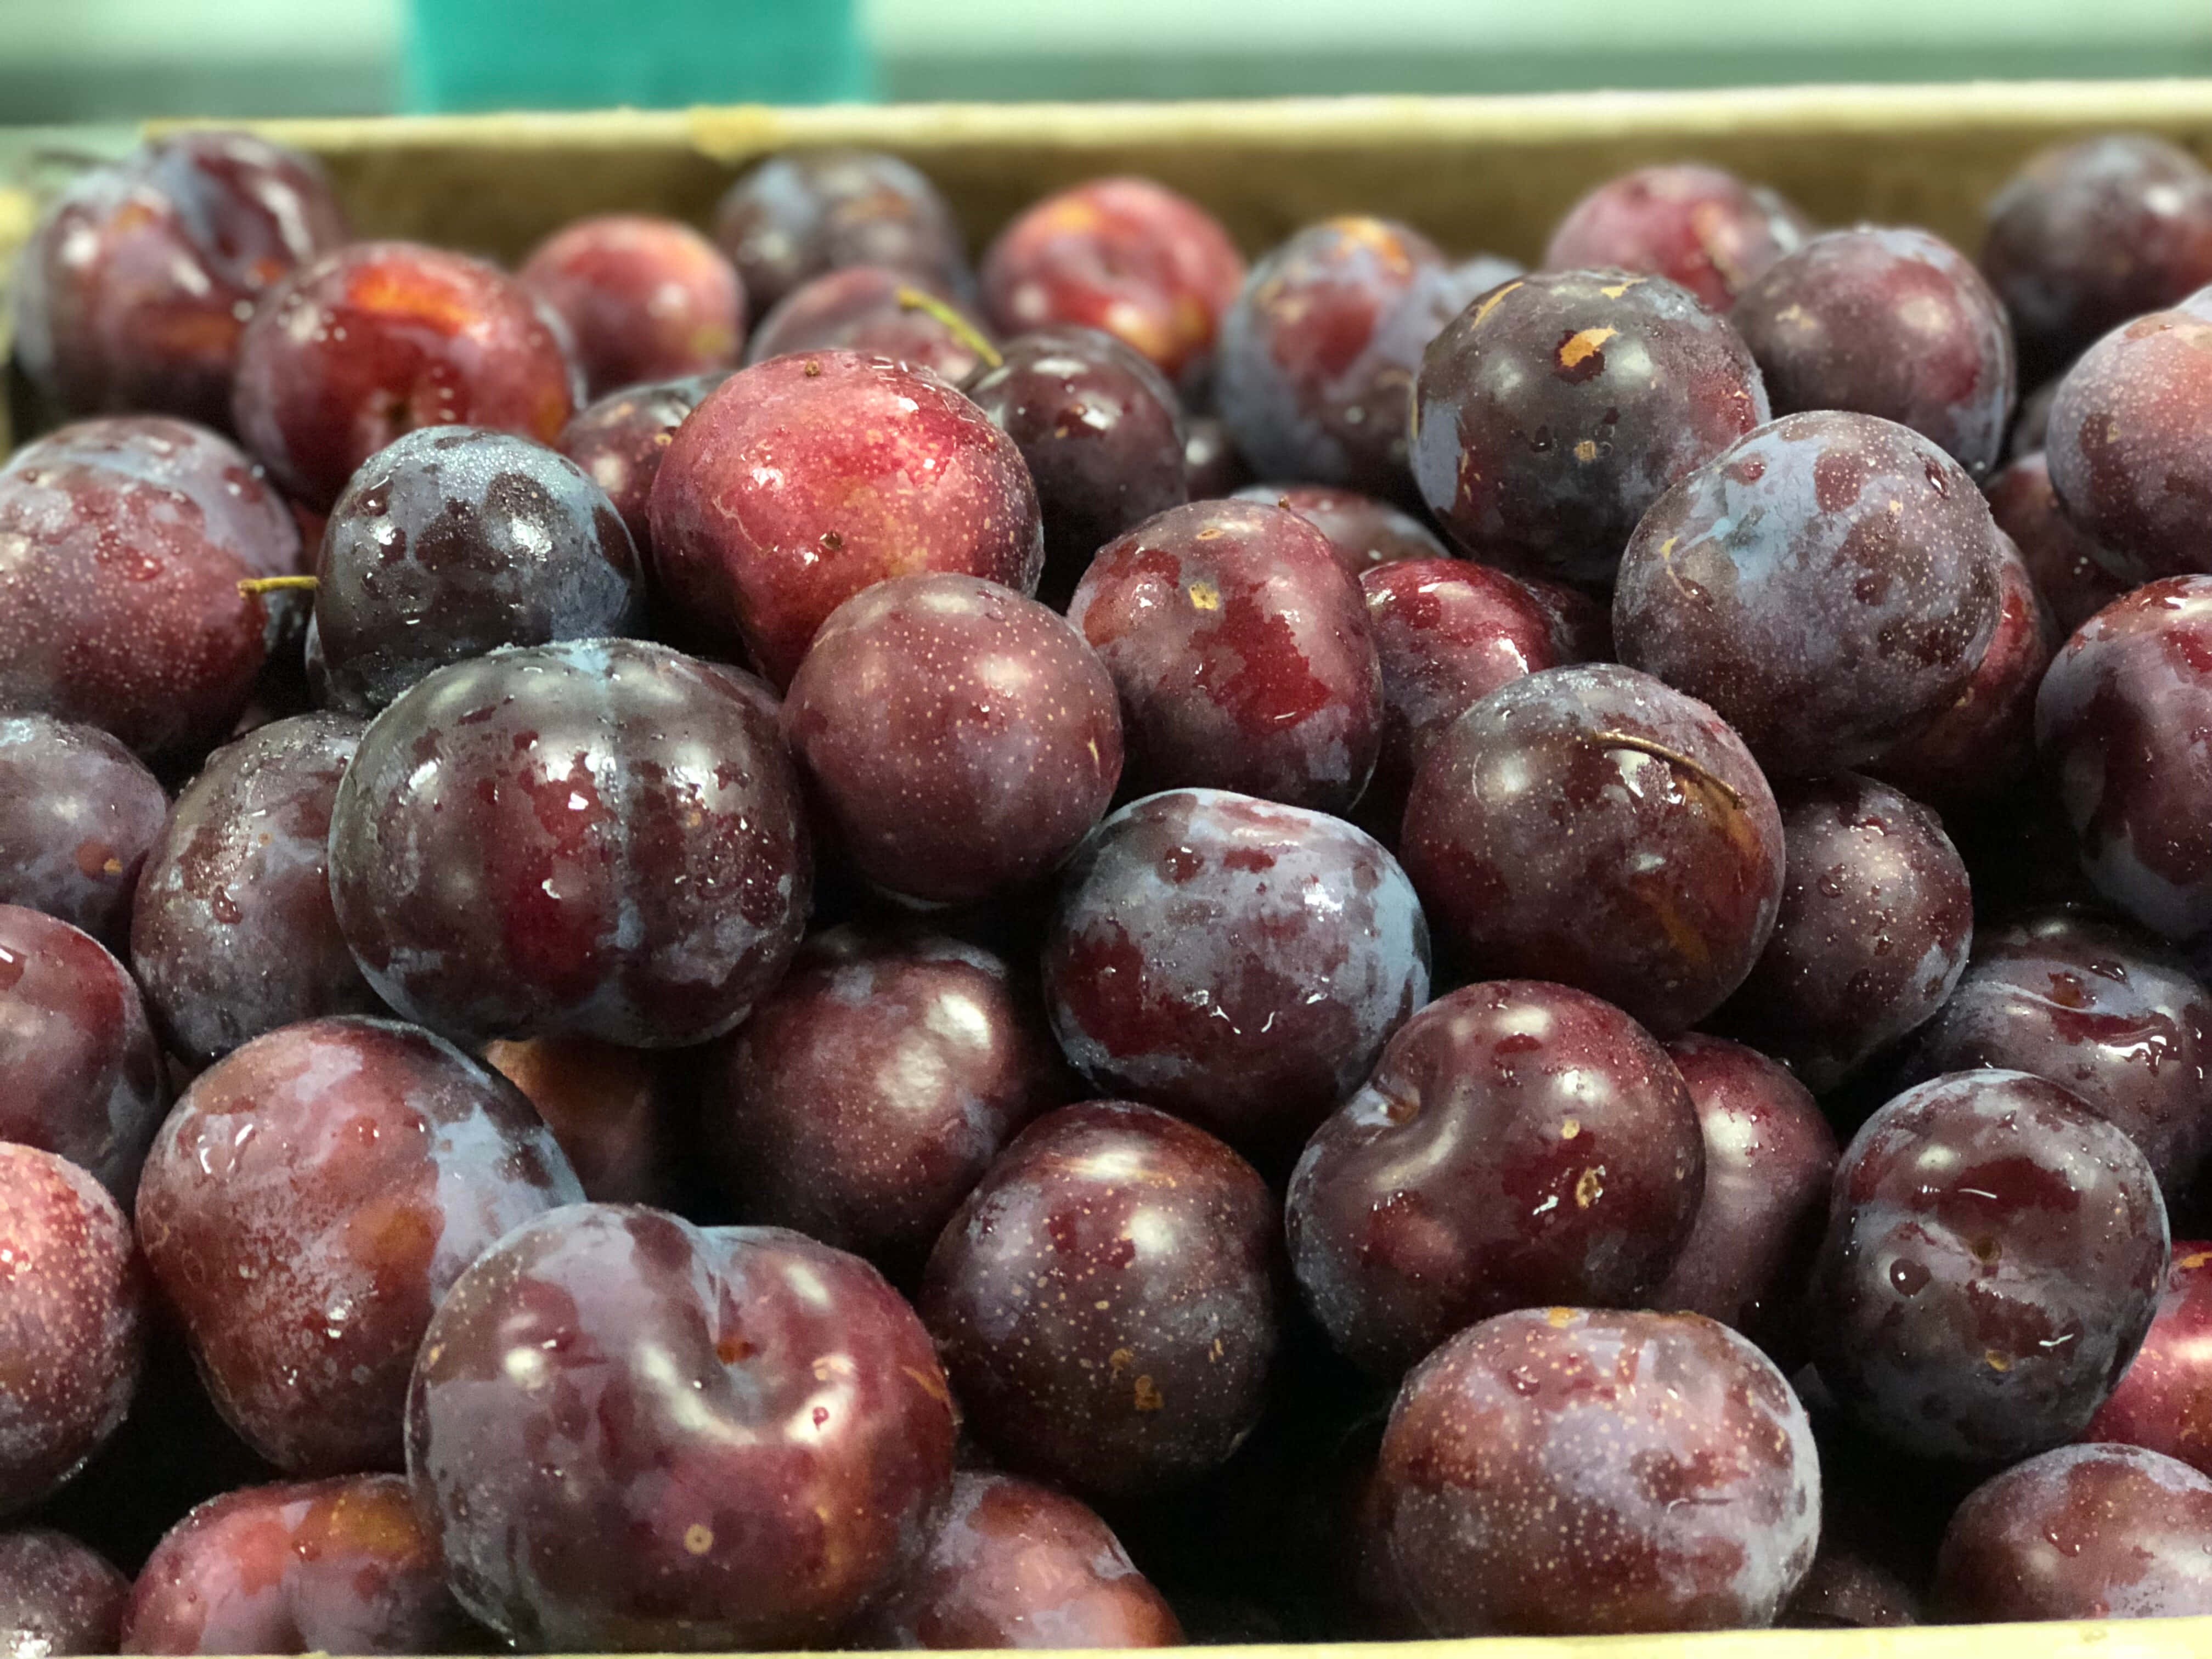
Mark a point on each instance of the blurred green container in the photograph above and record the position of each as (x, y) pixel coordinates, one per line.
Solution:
(663, 54)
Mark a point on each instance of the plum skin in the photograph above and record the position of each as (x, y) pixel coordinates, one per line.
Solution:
(644, 298)
(628, 1430)
(78, 814)
(57, 1596)
(1698, 226)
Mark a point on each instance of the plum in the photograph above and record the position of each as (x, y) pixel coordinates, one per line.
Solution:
(2161, 1402)
(621, 439)
(1366, 532)
(612, 1109)
(1556, 1471)
(1698, 226)
(78, 814)
(2069, 571)
(802, 480)
(808, 211)
(1105, 1300)
(1210, 460)
(644, 298)
(879, 312)
(627, 1431)
(57, 1596)
(1520, 1142)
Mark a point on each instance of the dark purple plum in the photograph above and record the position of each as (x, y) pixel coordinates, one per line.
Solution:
(1994, 1255)
(78, 812)
(1829, 584)
(626, 1430)
(1558, 1471)
(613, 1109)
(872, 1088)
(2161, 1402)
(1550, 413)
(452, 541)
(72, 1322)
(960, 738)
(308, 1202)
(1211, 464)
(1235, 961)
(620, 439)
(644, 298)
(2090, 234)
(233, 933)
(807, 211)
(1365, 533)
(1877, 918)
(1520, 1143)
(1010, 1563)
(133, 290)
(1590, 825)
(1105, 1301)
(881, 312)
(1769, 1156)
(1102, 433)
(1242, 651)
(2117, 725)
(339, 1566)
(1698, 226)
(617, 830)
(2092, 1005)
(2069, 571)
(802, 480)
(80, 1074)
(1890, 322)
(57, 1596)
(2083, 1532)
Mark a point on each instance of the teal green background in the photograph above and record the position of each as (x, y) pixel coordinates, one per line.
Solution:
(581, 54)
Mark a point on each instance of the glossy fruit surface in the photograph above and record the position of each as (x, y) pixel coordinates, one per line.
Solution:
(806, 211)
(878, 313)
(644, 298)
(2162, 1401)
(621, 439)
(78, 812)
(1698, 226)
(2067, 567)
(57, 1596)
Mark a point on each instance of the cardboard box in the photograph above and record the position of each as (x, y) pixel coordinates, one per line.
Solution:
(1477, 174)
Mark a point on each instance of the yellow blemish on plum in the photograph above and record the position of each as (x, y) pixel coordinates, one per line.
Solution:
(1579, 348)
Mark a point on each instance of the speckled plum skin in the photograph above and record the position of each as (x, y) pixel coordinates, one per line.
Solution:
(1590, 825)
(1697, 226)
(1102, 433)
(452, 541)
(799, 213)
(77, 813)
(80, 1074)
(1559, 1471)
(631, 1433)
(1993, 1257)
(1887, 321)
(2083, 1532)
(1829, 584)
(2122, 445)
(2067, 567)
(1876, 921)
(1985, 743)
(122, 544)
(644, 298)
(2164, 1402)
(872, 1088)
(1242, 654)
(339, 1566)
(621, 439)
(57, 1596)
(1365, 533)
(1236, 962)
(1318, 353)
(2088, 234)
(1010, 1563)
(802, 480)
(2116, 726)
(1125, 255)
(1449, 634)
(2098, 1008)
(72, 1318)
(1520, 1142)
(233, 933)
(611, 1109)
(960, 739)
(636, 861)
(134, 288)
(880, 312)
(1105, 1300)
(306, 1205)
(379, 338)
(1553, 410)
(1769, 1156)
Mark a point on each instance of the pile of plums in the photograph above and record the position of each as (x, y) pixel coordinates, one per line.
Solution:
(726, 944)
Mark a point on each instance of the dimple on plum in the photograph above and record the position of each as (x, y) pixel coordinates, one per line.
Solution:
(1242, 651)
(1698, 226)
(644, 298)
(1519, 1142)
(78, 812)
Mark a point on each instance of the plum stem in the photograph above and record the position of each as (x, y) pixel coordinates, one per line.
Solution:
(914, 299)
(1674, 757)
(278, 585)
